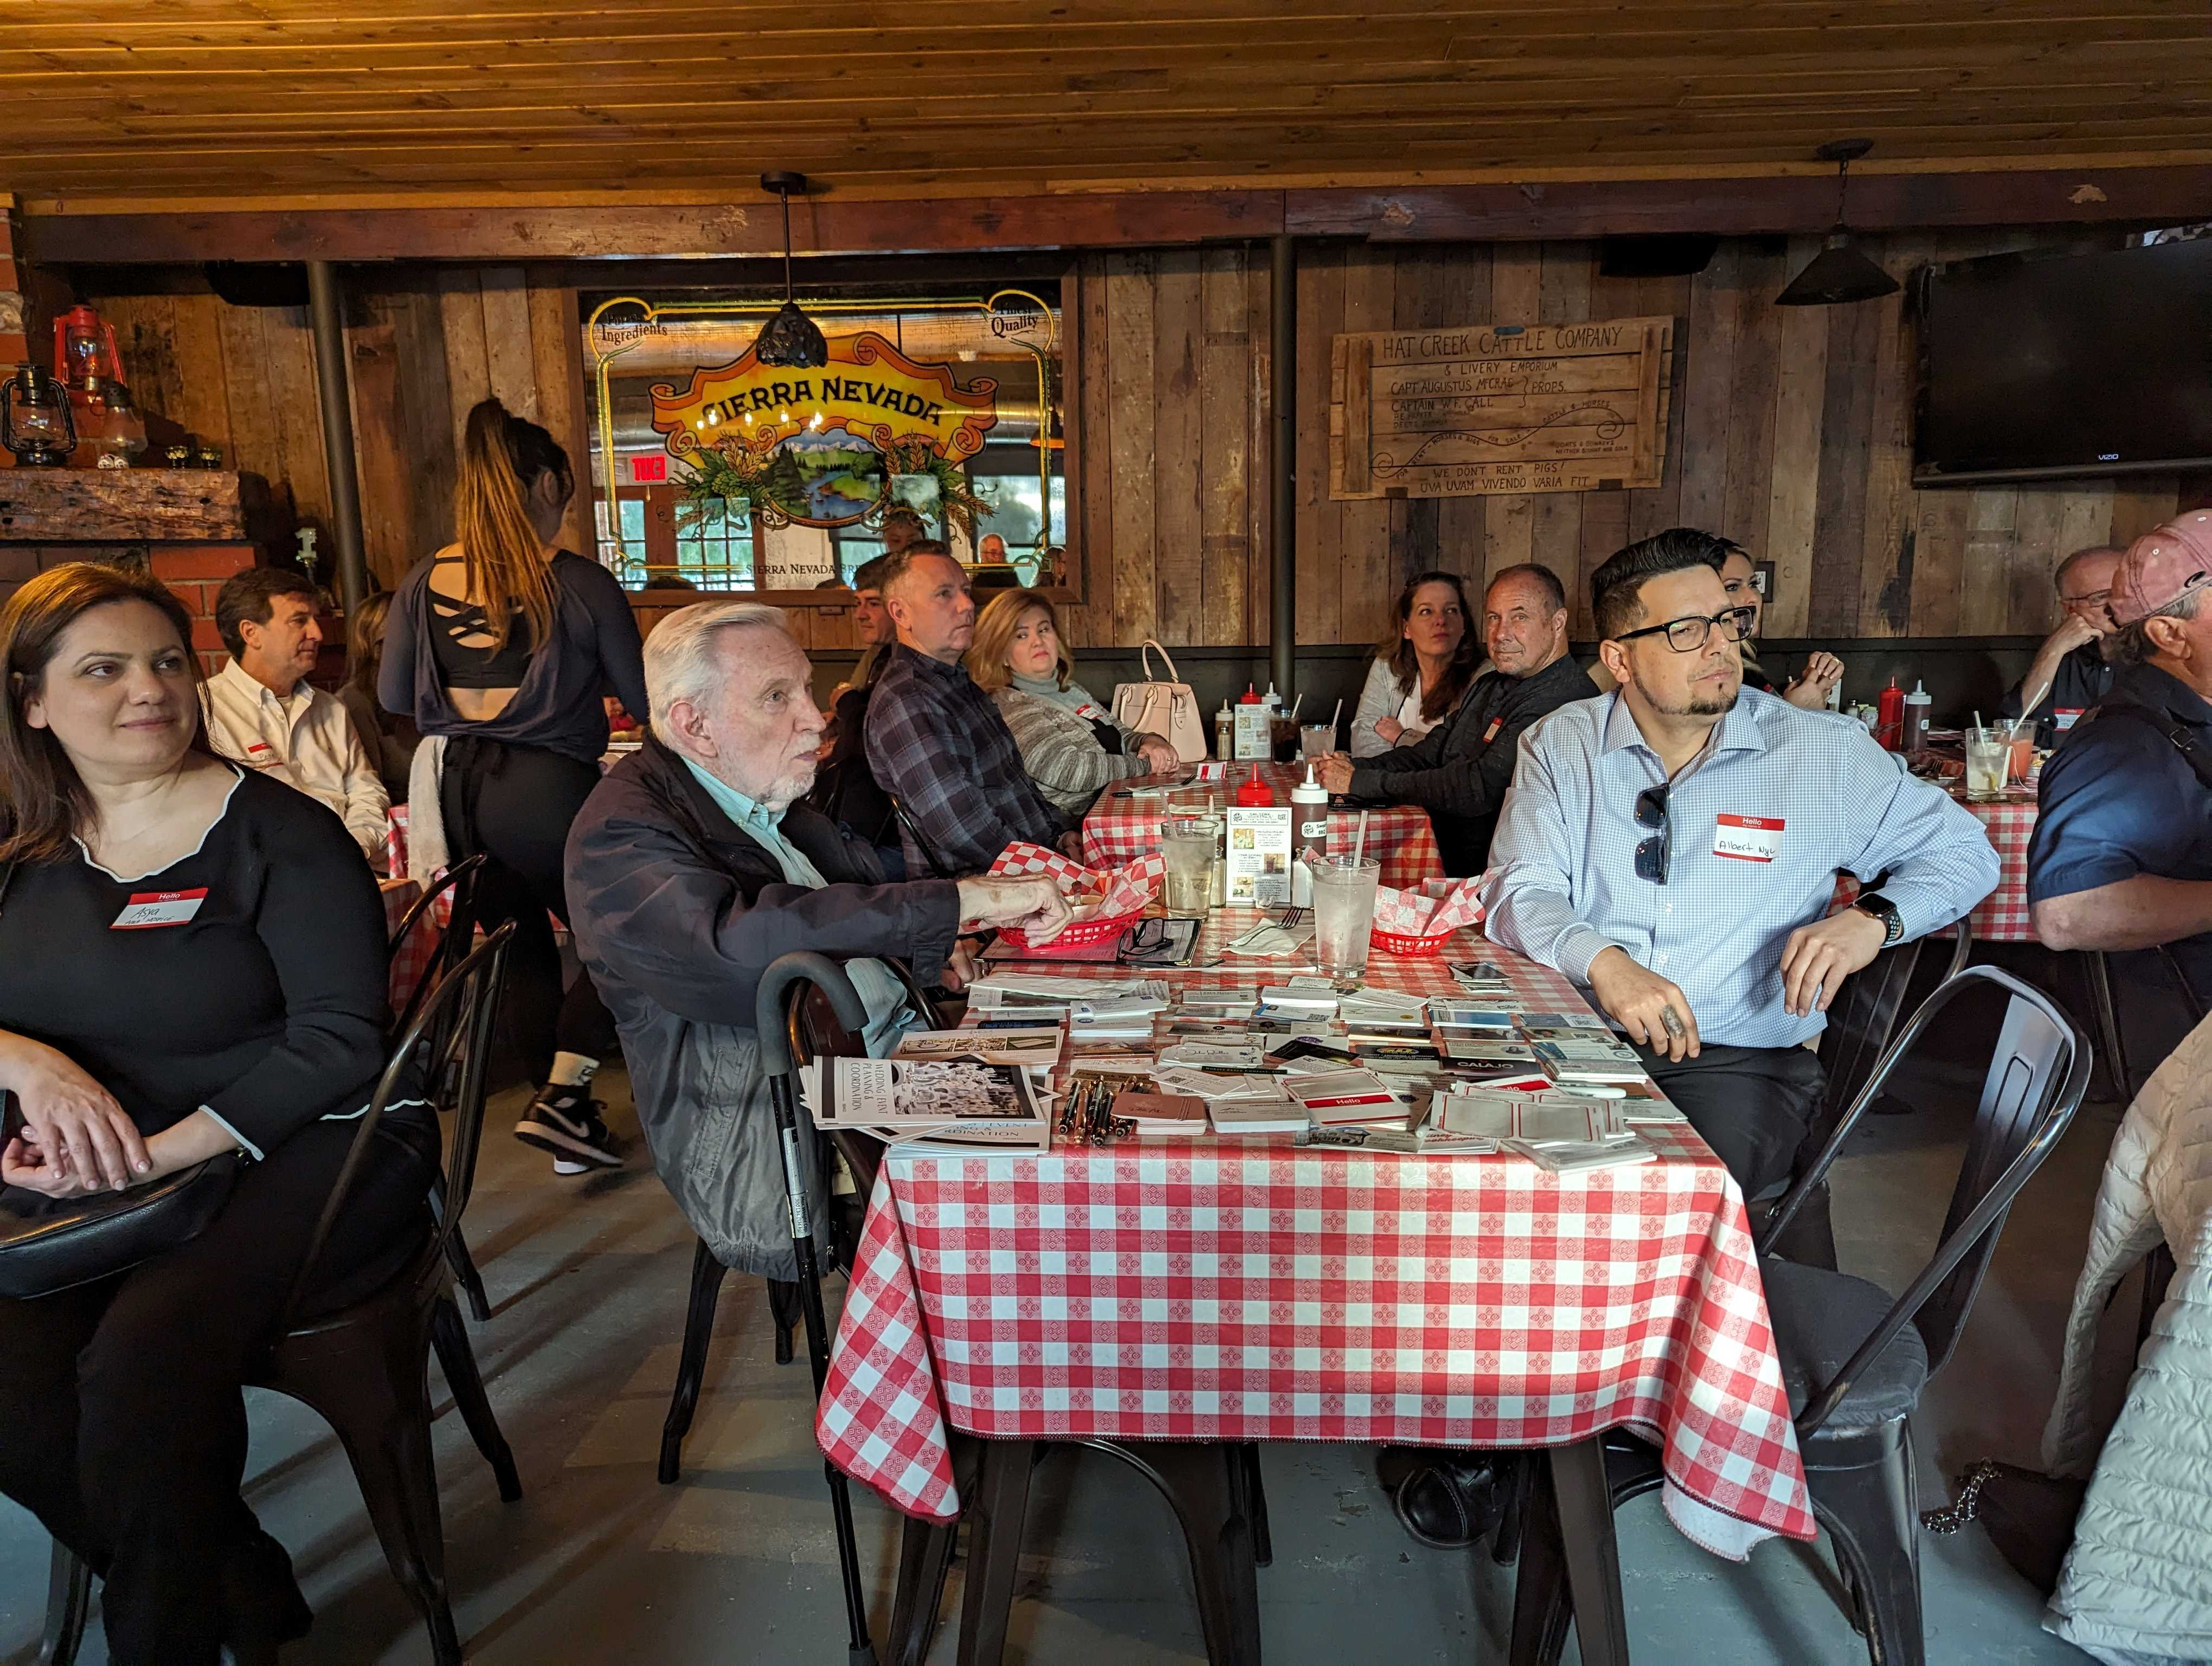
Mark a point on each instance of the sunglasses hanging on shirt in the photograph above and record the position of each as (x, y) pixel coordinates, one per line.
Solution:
(1652, 854)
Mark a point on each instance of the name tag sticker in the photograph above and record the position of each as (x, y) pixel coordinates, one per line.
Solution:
(1748, 838)
(159, 908)
(2068, 716)
(1490, 733)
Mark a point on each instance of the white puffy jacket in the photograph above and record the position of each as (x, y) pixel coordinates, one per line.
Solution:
(2137, 1584)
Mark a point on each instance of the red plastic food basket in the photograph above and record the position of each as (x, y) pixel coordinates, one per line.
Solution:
(1083, 934)
(1412, 948)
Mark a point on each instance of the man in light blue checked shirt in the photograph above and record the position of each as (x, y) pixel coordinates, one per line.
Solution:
(1674, 846)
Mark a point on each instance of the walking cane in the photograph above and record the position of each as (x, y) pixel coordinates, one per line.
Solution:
(778, 987)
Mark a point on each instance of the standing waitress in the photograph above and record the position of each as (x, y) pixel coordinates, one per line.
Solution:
(499, 647)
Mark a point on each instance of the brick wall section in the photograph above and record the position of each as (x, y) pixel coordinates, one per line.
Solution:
(193, 572)
(15, 347)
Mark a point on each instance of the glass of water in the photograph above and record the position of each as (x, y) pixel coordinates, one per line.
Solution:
(1317, 740)
(1192, 845)
(1344, 912)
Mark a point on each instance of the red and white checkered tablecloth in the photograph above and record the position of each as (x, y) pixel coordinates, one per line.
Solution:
(2002, 916)
(412, 957)
(1121, 829)
(1249, 1290)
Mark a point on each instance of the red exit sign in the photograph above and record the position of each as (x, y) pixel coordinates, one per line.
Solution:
(649, 470)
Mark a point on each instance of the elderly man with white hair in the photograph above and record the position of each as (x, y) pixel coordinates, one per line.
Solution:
(693, 865)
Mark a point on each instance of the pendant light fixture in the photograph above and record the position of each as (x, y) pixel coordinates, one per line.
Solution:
(792, 340)
(1841, 272)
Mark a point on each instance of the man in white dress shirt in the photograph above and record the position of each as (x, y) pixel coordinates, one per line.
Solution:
(261, 711)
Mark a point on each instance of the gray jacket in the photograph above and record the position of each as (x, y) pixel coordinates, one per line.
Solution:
(676, 913)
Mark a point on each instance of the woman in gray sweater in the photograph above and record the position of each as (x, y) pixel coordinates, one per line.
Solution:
(1070, 743)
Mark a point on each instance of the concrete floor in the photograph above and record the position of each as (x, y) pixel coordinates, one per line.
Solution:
(599, 1564)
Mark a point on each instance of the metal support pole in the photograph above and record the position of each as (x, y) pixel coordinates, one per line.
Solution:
(1283, 464)
(326, 307)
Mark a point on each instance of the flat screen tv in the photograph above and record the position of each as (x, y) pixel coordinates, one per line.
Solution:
(2043, 367)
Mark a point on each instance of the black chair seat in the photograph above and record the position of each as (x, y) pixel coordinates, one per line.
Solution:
(1820, 1319)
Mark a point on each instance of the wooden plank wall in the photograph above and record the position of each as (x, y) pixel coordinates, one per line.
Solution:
(245, 378)
(1788, 431)
(1173, 378)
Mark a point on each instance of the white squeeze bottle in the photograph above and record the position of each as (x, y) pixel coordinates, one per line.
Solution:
(1917, 705)
(1272, 701)
(1309, 826)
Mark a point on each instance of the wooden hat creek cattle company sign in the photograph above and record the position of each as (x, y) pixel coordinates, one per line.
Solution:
(1483, 408)
(821, 447)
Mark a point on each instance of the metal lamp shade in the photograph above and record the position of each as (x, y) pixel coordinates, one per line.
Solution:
(792, 340)
(1840, 273)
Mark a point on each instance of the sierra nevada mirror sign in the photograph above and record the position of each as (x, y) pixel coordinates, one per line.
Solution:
(822, 448)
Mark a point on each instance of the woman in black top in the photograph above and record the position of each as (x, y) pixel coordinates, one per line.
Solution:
(501, 644)
(191, 964)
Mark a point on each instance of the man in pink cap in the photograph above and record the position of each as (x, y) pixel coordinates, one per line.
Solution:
(2122, 855)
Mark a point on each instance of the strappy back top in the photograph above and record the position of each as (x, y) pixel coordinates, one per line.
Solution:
(593, 646)
(463, 665)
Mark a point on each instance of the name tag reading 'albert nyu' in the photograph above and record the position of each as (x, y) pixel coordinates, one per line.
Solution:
(159, 908)
(1748, 838)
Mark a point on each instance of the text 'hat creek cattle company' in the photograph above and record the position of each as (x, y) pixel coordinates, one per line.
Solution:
(2162, 566)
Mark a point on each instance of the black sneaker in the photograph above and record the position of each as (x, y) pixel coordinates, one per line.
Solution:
(565, 1121)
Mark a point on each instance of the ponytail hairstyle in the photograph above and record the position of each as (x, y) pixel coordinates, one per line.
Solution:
(501, 457)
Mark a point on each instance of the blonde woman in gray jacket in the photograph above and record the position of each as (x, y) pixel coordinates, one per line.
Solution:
(1070, 743)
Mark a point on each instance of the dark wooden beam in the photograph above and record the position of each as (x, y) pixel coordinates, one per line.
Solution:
(824, 226)
(1878, 202)
(832, 225)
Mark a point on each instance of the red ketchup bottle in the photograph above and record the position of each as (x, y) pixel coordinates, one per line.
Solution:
(1889, 717)
(1254, 791)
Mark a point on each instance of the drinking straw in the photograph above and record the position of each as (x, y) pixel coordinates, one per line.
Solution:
(1296, 704)
(1334, 715)
(1979, 729)
(1359, 839)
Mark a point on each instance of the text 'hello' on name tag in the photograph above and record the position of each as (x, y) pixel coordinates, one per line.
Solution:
(159, 908)
(1748, 838)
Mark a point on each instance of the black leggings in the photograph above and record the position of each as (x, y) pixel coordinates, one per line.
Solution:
(122, 1418)
(514, 804)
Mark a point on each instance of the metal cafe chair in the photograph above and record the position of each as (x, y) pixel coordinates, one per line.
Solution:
(457, 937)
(1856, 1361)
(365, 1368)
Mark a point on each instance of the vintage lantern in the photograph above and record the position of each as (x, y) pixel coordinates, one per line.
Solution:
(84, 348)
(34, 418)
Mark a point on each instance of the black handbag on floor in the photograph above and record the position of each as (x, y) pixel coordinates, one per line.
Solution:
(2029, 1515)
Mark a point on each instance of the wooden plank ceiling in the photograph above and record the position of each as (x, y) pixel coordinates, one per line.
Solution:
(234, 101)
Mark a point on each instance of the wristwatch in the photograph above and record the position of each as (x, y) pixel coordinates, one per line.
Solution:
(1893, 923)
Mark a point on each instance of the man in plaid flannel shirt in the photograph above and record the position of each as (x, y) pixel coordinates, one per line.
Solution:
(936, 742)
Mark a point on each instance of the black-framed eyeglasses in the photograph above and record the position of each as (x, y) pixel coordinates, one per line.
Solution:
(1652, 854)
(1688, 636)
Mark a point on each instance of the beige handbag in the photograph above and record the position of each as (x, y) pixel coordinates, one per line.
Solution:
(1169, 709)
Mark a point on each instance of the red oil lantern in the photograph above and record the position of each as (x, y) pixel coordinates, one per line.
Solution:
(84, 349)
